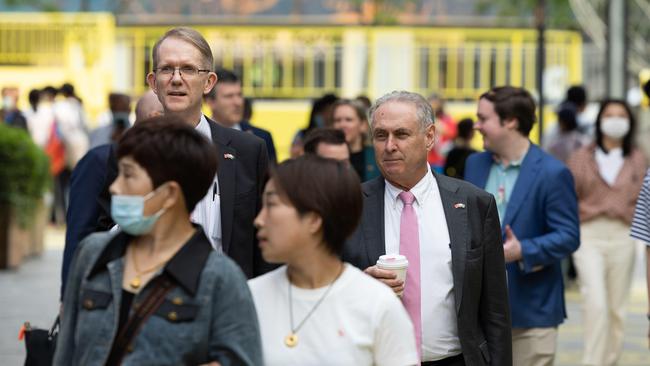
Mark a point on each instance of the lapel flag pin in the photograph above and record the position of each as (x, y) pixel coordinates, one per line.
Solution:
(459, 205)
(229, 156)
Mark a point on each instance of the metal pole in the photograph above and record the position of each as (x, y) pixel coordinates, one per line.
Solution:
(616, 49)
(541, 61)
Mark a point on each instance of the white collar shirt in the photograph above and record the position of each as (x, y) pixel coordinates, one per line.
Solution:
(439, 326)
(207, 212)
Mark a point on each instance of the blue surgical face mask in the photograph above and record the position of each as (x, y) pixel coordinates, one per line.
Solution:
(128, 213)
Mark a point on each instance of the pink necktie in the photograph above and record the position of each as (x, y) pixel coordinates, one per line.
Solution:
(409, 246)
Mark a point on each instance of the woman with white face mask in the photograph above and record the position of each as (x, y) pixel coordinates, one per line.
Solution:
(608, 176)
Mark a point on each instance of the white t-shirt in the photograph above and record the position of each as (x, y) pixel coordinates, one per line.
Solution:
(360, 322)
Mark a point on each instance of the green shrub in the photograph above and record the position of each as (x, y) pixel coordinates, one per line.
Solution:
(24, 173)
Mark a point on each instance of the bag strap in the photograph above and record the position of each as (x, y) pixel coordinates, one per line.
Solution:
(150, 304)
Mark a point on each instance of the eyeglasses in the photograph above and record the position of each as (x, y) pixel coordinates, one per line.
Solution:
(188, 71)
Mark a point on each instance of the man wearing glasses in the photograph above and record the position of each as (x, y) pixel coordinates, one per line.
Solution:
(182, 74)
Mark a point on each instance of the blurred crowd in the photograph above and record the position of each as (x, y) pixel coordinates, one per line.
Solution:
(184, 210)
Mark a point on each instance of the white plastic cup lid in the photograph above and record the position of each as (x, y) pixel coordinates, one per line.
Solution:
(392, 261)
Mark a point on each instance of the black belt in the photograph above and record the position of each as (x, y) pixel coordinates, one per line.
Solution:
(449, 361)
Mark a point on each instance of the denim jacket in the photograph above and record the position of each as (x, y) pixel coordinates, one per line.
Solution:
(208, 316)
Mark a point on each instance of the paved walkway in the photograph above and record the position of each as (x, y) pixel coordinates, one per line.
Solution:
(31, 293)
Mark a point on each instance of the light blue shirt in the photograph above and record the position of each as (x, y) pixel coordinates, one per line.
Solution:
(501, 181)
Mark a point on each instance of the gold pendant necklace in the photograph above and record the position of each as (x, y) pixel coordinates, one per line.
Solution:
(291, 340)
(136, 281)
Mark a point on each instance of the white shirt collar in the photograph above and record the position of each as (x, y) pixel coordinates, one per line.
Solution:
(204, 128)
(420, 190)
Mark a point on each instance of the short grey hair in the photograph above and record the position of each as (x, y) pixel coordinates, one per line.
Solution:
(190, 36)
(424, 112)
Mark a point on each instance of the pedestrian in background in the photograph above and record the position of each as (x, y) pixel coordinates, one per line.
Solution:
(537, 205)
(455, 162)
(351, 117)
(608, 177)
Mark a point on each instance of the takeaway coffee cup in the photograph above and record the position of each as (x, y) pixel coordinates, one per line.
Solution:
(396, 263)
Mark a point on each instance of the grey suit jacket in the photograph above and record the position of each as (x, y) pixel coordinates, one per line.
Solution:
(481, 296)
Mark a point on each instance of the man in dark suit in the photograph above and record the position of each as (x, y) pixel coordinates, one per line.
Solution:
(182, 63)
(90, 201)
(228, 107)
(538, 208)
(455, 288)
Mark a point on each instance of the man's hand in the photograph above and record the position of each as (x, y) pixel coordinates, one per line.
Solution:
(387, 277)
(512, 246)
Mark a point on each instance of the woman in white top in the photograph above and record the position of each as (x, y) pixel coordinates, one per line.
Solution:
(608, 176)
(317, 310)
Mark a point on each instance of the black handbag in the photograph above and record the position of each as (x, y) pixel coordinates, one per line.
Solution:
(40, 344)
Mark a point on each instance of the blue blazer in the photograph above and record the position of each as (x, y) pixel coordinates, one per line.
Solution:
(543, 214)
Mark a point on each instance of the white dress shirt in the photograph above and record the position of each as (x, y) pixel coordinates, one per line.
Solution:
(439, 326)
(207, 212)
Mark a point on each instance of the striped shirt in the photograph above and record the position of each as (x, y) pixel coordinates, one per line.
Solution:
(641, 222)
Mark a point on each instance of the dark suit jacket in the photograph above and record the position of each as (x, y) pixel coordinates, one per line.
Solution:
(481, 296)
(241, 181)
(543, 213)
(264, 135)
(87, 204)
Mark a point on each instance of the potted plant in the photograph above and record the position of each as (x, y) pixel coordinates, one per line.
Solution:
(24, 178)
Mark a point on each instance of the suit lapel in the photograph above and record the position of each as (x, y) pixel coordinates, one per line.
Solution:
(456, 217)
(373, 217)
(525, 179)
(226, 176)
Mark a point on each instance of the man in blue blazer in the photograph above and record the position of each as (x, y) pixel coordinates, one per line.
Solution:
(537, 206)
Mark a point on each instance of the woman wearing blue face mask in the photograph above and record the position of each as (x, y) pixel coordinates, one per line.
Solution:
(154, 292)
(608, 176)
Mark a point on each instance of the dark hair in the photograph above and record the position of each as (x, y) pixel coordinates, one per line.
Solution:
(34, 96)
(628, 140)
(465, 128)
(248, 109)
(118, 102)
(566, 117)
(171, 150)
(327, 187)
(223, 76)
(319, 106)
(49, 90)
(318, 136)
(67, 90)
(577, 95)
(511, 102)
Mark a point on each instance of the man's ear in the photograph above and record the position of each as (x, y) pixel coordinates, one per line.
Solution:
(151, 80)
(511, 123)
(210, 82)
(430, 136)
